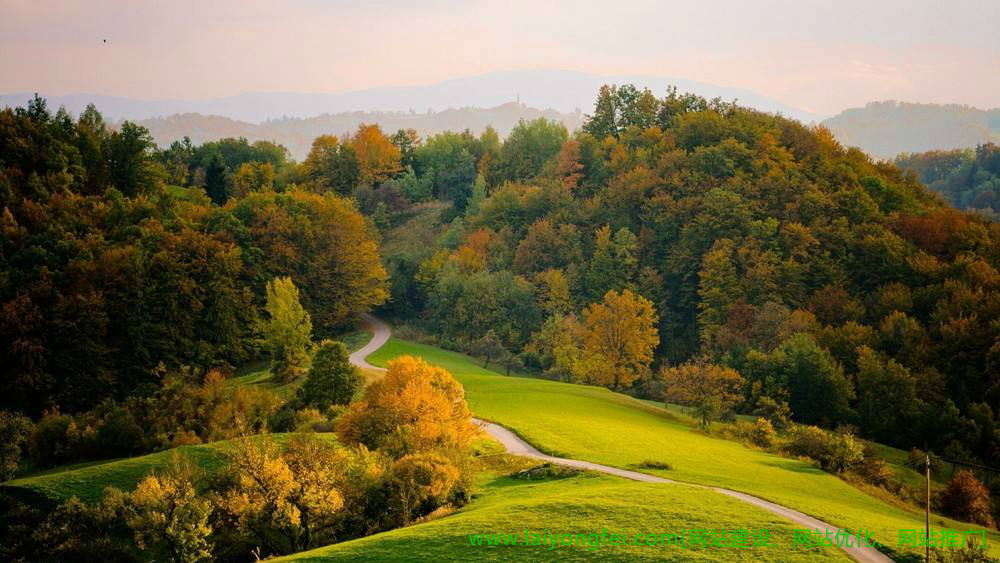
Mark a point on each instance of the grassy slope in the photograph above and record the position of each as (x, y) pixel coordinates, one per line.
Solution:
(259, 372)
(597, 425)
(585, 504)
(88, 481)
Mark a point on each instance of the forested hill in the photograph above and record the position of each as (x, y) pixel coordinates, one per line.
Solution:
(887, 129)
(297, 134)
(834, 285)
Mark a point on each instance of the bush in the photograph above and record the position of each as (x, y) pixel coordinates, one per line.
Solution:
(776, 412)
(14, 431)
(965, 498)
(834, 452)
(759, 432)
(653, 464)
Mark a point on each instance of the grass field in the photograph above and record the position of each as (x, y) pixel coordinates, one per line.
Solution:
(594, 424)
(87, 481)
(259, 372)
(587, 503)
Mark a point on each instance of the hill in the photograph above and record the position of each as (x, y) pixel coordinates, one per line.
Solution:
(594, 424)
(886, 129)
(563, 90)
(298, 133)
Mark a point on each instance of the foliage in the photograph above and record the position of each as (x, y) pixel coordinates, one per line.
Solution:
(169, 517)
(619, 335)
(760, 432)
(331, 380)
(288, 329)
(709, 388)
(414, 408)
(967, 499)
(14, 431)
(967, 178)
(833, 451)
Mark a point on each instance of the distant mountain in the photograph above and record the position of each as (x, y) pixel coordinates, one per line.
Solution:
(297, 134)
(564, 91)
(886, 129)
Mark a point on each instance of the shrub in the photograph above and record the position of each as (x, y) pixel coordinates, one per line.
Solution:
(653, 464)
(965, 498)
(775, 411)
(759, 432)
(14, 430)
(834, 452)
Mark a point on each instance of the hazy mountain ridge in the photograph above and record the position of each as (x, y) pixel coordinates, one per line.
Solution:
(297, 134)
(561, 90)
(886, 129)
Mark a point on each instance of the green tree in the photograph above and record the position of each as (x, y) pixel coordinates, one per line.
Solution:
(288, 329)
(529, 146)
(489, 347)
(133, 170)
(331, 380)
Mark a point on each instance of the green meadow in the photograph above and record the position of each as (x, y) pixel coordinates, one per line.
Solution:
(595, 424)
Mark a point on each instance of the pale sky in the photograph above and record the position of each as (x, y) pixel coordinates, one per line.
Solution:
(821, 56)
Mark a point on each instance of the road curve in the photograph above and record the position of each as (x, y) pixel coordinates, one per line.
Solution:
(380, 335)
(516, 446)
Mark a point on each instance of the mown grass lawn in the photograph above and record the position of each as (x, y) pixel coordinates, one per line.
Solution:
(88, 481)
(585, 504)
(594, 424)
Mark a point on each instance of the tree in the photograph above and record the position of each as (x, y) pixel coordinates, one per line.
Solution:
(168, 515)
(332, 165)
(14, 430)
(966, 499)
(711, 389)
(288, 329)
(130, 160)
(331, 380)
(414, 408)
(489, 347)
(288, 501)
(620, 334)
(253, 177)
(422, 480)
(529, 146)
(217, 179)
(887, 399)
(378, 158)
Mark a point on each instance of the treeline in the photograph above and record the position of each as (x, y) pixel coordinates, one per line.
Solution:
(835, 287)
(967, 178)
(109, 269)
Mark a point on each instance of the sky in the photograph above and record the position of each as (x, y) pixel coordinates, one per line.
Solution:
(820, 56)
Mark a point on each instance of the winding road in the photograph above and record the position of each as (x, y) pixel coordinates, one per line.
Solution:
(516, 446)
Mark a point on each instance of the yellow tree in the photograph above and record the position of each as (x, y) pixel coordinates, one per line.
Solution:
(378, 158)
(284, 499)
(619, 337)
(167, 515)
(415, 408)
(709, 388)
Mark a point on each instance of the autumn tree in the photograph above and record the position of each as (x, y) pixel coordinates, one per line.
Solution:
(414, 408)
(619, 336)
(967, 499)
(421, 482)
(169, 516)
(378, 158)
(287, 501)
(332, 165)
(710, 389)
(288, 329)
(253, 177)
(331, 380)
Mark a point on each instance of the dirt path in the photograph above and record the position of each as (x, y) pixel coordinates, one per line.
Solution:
(516, 446)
